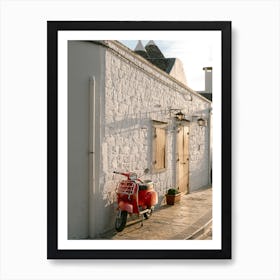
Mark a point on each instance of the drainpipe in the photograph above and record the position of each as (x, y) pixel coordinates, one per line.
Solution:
(210, 148)
(92, 223)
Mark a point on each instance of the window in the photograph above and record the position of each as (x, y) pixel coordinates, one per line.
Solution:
(159, 146)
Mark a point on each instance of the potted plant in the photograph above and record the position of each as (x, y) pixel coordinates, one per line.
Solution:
(172, 196)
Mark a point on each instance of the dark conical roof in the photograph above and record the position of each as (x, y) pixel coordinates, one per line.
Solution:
(151, 42)
(139, 49)
(139, 46)
(153, 50)
(164, 64)
(153, 54)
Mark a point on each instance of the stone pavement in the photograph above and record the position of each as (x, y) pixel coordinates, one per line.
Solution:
(191, 218)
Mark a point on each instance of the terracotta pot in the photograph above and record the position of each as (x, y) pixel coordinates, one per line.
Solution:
(172, 199)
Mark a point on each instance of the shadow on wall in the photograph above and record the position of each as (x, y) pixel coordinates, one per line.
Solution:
(117, 156)
(200, 169)
(126, 125)
(127, 146)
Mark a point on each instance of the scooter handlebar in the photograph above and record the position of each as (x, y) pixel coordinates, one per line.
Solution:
(121, 173)
(126, 175)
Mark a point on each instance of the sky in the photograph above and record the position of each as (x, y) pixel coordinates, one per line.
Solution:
(195, 52)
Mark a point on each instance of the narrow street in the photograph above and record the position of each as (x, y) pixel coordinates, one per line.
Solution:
(184, 220)
(207, 235)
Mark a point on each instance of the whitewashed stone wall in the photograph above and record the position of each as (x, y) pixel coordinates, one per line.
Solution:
(136, 93)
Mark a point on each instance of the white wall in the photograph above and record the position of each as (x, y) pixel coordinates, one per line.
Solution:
(84, 61)
(178, 72)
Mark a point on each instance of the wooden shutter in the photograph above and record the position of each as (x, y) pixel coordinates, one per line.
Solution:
(159, 146)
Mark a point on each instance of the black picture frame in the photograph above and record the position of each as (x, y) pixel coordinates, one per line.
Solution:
(53, 27)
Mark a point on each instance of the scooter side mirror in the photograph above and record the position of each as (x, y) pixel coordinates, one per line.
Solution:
(146, 171)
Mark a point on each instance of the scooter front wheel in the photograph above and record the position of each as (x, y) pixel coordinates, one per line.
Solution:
(121, 221)
(148, 214)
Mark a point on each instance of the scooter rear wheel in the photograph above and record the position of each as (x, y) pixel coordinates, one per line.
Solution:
(121, 221)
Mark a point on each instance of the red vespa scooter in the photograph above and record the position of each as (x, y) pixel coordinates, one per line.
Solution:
(134, 197)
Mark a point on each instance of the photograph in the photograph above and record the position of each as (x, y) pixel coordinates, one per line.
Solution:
(152, 133)
(139, 148)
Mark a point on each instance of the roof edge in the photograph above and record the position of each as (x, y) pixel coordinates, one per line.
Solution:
(135, 55)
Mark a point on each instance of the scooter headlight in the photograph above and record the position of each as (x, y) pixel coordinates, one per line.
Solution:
(132, 176)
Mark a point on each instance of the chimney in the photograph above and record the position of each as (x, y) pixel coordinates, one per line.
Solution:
(208, 79)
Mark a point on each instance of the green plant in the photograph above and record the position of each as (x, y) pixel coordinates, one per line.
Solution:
(173, 196)
(172, 191)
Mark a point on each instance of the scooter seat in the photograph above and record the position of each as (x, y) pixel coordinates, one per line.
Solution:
(143, 187)
(148, 185)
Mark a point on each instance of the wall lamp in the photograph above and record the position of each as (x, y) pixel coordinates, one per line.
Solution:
(202, 122)
(180, 116)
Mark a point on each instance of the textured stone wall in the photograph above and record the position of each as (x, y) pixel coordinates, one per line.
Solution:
(199, 157)
(135, 94)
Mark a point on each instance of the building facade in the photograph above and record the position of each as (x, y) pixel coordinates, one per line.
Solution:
(126, 113)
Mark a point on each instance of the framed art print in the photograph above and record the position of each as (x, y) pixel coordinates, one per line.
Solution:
(139, 140)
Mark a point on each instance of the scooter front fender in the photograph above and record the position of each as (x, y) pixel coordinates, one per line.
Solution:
(125, 206)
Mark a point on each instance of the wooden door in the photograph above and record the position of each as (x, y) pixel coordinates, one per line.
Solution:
(183, 159)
